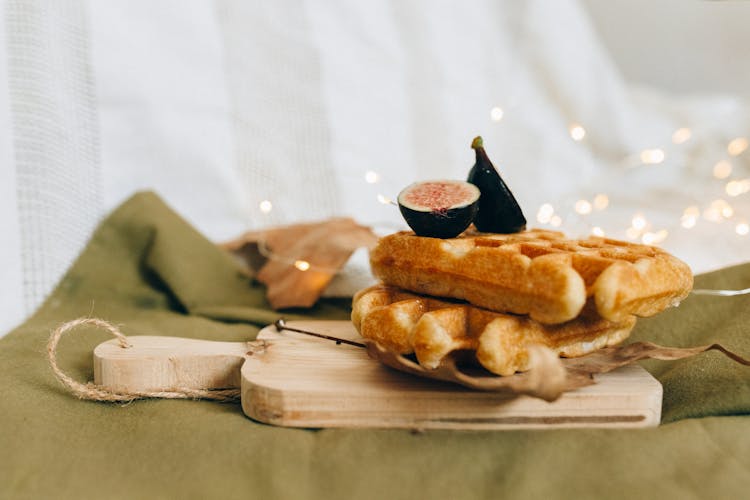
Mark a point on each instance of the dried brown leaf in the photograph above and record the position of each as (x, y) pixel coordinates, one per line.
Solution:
(549, 376)
(270, 254)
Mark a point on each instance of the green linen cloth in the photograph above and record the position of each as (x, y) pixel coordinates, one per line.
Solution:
(149, 271)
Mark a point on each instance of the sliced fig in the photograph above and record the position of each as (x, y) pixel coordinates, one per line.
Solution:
(439, 209)
(498, 209)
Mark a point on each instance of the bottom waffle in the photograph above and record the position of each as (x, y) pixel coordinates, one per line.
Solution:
(431, 329)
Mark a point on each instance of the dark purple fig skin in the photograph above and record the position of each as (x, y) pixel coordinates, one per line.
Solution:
(499, 211)
(438, 223)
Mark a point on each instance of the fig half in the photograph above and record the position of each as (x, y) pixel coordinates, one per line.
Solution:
(439, 209)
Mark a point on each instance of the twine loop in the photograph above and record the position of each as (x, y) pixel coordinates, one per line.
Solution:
(94, 392)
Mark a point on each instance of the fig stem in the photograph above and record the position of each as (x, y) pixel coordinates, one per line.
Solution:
(477, 142)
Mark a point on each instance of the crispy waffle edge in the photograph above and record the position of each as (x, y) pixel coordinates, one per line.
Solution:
(432, 329)
(537, 272)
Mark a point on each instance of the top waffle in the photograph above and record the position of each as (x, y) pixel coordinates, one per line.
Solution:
(537, 272)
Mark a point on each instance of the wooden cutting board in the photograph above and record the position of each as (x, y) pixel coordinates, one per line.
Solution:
(295, 380)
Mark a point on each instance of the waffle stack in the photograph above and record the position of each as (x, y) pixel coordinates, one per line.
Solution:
(496, 294)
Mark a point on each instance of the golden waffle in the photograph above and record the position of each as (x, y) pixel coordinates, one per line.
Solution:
(537, 272)
(407, 323)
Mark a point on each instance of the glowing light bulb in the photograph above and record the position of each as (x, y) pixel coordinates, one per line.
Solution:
(681, 135)
(639, 222)
(654, 238)
(583, 207)
(577, 132)
(265, 206)
(601, 201)
(496, 114)
(371, 177)
(692, 210)
(737, 146)
(736, 188)
(690, 217)
(711, 214)
(742, 228)
(722, 169)
(652, 156)
(717, 210)
(545, 213)
(688, 221)
(302, 265)
(733, 188)
(597, 231)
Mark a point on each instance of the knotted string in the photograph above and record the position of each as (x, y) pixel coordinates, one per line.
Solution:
(96, 392)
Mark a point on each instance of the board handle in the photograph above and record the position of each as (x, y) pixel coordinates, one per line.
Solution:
(153, 363)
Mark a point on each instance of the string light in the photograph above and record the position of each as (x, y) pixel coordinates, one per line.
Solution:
(733, 188)
(690, 217)
(722, 169)
(640, 228)
(545, 213)
(652, 156)
(681, 135)
(371, 177)
(737, 146)
(718, 210)
(650, 238)
(639, 222)
(265, 206)
(583, 207)
(577, 132)
(302, 265)
(692, 211)
(711, 214)
(601, 201)
(736, 188)
(688, 222)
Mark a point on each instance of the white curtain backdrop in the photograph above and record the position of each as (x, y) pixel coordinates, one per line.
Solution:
(219, 105)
